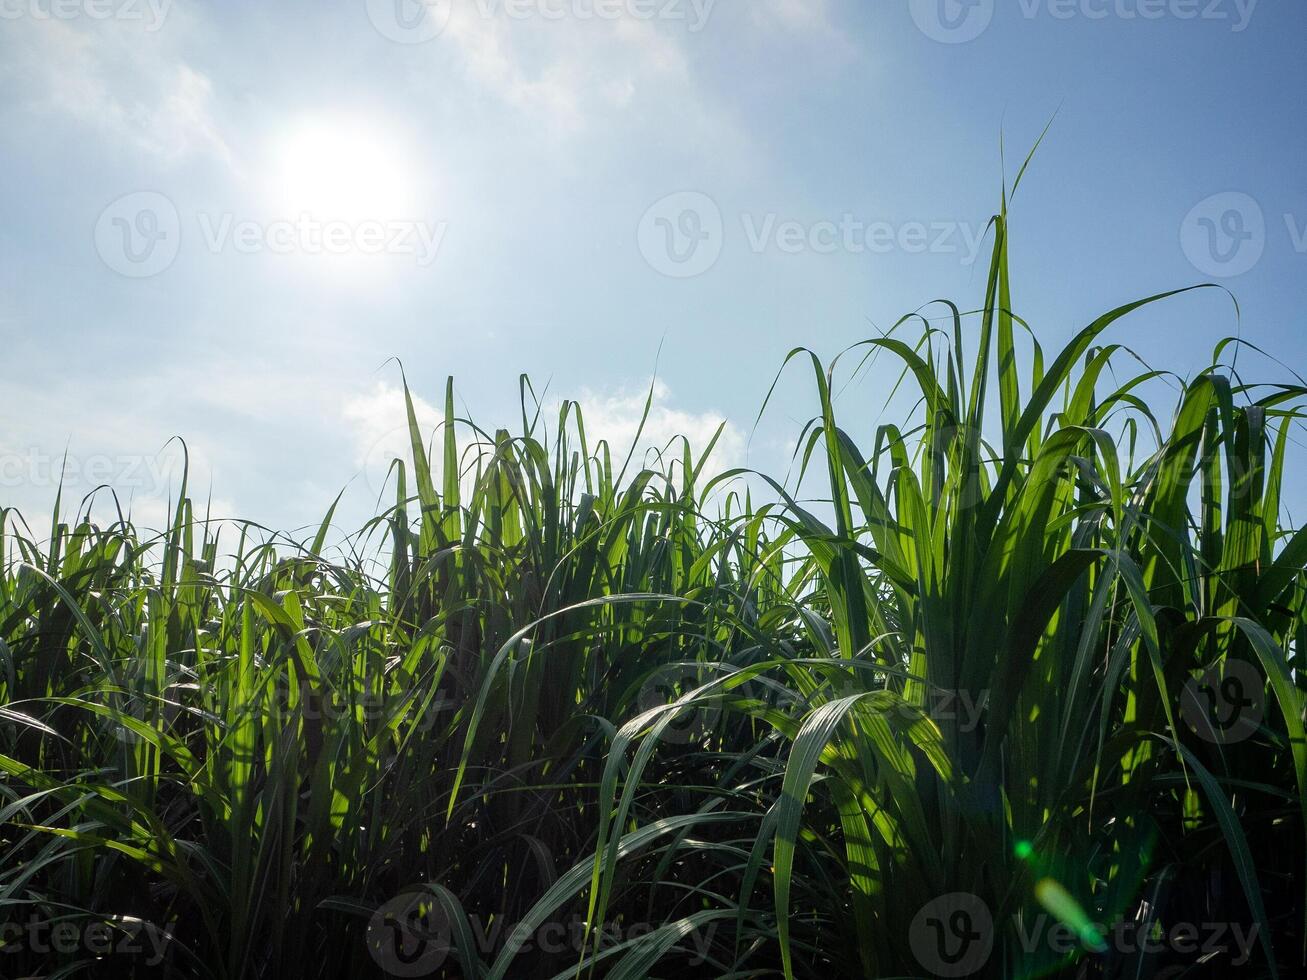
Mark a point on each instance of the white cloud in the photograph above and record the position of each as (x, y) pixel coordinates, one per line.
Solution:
(615, 417)
(377, 425)
(126, 456)
(378, 429)
(565, 71)
(156, 513)
(811, 16)
(116, 78)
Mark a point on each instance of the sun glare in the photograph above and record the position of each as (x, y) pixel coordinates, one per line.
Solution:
(339, 168)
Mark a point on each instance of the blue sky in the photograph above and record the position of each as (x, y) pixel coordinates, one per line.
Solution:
(222, 219)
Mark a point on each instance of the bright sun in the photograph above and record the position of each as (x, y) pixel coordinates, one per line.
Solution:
(340, 168)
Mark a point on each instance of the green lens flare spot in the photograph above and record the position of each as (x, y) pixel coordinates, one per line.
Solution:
(1059, 902)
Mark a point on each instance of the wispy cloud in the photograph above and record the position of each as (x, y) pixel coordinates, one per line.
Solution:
(377, 424)
(115, 78)
(565, 72)
(615, 416)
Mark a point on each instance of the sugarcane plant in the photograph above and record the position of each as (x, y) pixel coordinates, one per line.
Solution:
(1018, 692)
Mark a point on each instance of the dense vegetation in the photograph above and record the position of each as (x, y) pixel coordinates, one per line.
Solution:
(1023, 691)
